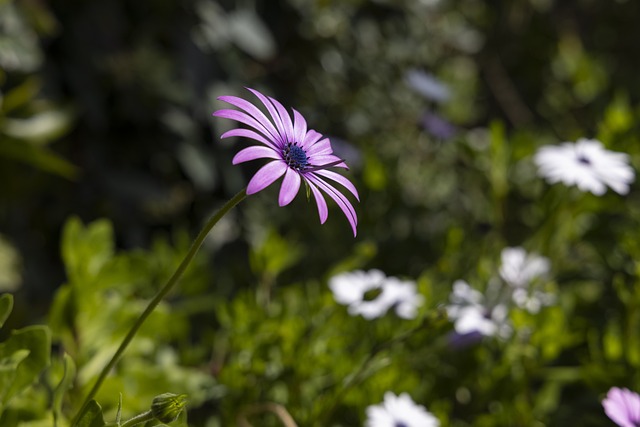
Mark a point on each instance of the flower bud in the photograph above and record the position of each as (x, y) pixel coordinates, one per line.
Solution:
(168, 406)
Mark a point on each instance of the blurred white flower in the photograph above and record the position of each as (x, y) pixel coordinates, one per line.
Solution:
(404, 295)
(483, 320)
(470, 313)
(399, 411)
(585, 164)
(427, 85)
(519, 270)
(352, 289)
(532, 301)
(463, 294)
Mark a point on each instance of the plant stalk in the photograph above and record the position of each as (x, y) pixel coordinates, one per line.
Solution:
(193, 250)
(138, 419)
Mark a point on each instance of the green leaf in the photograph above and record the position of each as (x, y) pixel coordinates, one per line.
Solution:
(41, 128)
(374, 173)
(37, 341)
(6, 305)
(85, 250)
(119, 412)
(10, 363)
(65, 384)
(39, 157)
(618, 117)
(633, 340)
(62, 314)
(92, 416)
(20, 49)
(613, 341)
(274, 255)
(21, 95)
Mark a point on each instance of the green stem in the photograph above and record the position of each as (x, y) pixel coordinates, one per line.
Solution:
(138, 419)
(195, 246)
(357, 376)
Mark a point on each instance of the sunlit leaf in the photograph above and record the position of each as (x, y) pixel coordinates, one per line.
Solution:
(21, 95)
(612, 340)
(85, 250)
(40, 128)
(251, 35)
(65, 384)
(92, 416)
(37, 341)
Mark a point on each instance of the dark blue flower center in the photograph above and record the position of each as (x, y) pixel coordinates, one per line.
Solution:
(400, 424)
(295, 157)
(582, 159)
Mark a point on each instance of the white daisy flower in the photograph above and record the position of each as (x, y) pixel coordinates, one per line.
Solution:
(532, 301)
(463, 294)
(519, 270)
(587, 165)
(470, 313)
(404, 295)
(352, 289)
(483, 320)
(399, 411)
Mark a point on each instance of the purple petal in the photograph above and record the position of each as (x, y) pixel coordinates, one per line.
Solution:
(289, 188)
(286, 120)
(241, 117)
(321, 147)
(632, 401)
(339, 179)
(327, 159)
(437, 126)
(311, 138)
(323, 211)
(254, 152)
(342, 201)
(266, 175)
(254, 112)
(246, 133)
(299, 127)
(621, 406)
(274, 114)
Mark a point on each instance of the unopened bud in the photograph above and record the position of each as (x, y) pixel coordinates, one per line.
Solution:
(168, 406)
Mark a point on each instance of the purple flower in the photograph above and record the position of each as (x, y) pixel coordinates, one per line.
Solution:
(623, 407)
(427, 85)
(297, 154)
(437, 126)
(458, 341)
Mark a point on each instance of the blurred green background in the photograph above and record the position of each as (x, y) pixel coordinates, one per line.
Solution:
(105, 114)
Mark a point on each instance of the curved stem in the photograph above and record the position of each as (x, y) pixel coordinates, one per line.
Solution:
(193, 250)
(279, 410)
(138, 419)
(357, 376)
